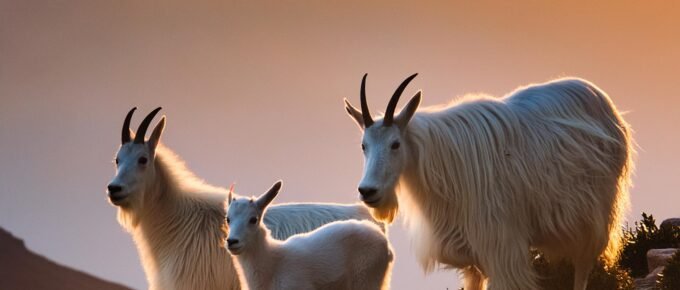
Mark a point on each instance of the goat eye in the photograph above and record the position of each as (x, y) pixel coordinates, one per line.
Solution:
(395, 145)
(142, 160)
(253, 220)
(363, 147)
(117, 161)
(228, 220)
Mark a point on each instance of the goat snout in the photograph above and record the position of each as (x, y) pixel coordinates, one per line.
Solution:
(232, 242)
(113, 189)
(116, 194)
(367, 193)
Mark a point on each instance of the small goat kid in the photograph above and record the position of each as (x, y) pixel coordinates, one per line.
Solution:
(174, 217)
(483, 180)
(338, 255)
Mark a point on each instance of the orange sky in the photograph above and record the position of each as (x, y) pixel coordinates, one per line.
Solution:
(253, 92)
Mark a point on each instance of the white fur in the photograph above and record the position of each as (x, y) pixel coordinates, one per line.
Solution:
(483, 179)
(287, 219)
(339, 255)
(175, 219)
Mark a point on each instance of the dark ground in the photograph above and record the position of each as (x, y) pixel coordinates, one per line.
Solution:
(22, 269)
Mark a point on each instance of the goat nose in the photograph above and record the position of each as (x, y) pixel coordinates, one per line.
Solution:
(114, 188)
(231, 242)
(367, 192)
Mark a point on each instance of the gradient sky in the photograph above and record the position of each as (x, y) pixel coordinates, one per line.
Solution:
(253, 92)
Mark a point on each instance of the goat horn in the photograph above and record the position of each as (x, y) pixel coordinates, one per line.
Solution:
(368, 121)
(392, 105)
(125, 136)
(139, 138)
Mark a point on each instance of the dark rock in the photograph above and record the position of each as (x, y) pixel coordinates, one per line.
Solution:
(659, 258)
(649, 281)
(668, 223)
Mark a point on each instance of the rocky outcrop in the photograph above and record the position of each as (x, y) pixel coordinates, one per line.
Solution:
(649, 281)
(657, 259)
(671, 222)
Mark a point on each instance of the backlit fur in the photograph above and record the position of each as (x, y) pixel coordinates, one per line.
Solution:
(177, 220)
(483, 179)
(339, 255)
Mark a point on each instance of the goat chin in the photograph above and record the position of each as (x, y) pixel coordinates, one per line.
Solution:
(387, 210)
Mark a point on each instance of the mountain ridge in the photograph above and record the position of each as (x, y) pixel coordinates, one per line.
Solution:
(21, 268)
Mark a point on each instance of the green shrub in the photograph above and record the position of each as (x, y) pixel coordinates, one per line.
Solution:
(559, 275)
(670, 277)
(615, 277)
(640, 239)
(645, 235)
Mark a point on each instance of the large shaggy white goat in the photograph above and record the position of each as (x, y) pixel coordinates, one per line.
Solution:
(348, 255)
(482, 180)
(175, 218)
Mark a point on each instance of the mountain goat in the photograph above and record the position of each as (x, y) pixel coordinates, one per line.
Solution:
(483, 179)
(339, 255)
(175, 218)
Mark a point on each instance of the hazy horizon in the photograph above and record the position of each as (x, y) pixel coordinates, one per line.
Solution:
(253, 93)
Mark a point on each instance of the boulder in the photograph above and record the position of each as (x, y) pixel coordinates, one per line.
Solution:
(649, 281)
(658, 258)
(670, 223)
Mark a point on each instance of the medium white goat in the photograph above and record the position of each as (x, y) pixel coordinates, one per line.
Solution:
(484, 179)
(175, 218)
(338, 255)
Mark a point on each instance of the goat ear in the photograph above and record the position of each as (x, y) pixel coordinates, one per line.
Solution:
(230, 197)
(156, 134)
(408, 111)
(265, 199)
(355, 114)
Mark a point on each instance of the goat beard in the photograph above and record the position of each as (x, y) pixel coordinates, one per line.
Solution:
(388, 208)
(129, 214)
(128, 219)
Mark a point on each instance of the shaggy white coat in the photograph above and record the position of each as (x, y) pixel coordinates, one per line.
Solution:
(176, 227)
(485, 179)
(350, 255)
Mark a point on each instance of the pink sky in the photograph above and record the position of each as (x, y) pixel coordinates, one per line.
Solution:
(253, 92)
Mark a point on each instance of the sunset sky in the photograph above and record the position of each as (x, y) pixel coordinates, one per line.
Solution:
(253, 92)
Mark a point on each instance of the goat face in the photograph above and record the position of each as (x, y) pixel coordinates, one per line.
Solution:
(244, 219)
(133, 170)
(383, 163)
(134, 162)
(384, 150)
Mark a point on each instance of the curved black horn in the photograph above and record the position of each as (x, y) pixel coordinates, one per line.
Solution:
(125, 136)
(368, 121)
(392, 105)
(139, 138)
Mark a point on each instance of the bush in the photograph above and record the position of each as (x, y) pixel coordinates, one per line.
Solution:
(559, 275)
(670, 277)
(643, 237)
